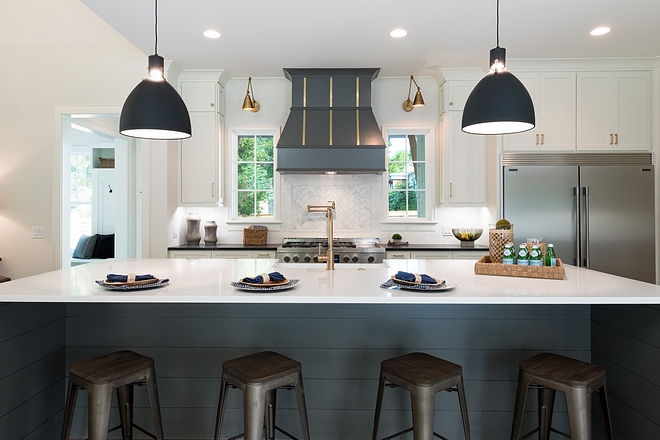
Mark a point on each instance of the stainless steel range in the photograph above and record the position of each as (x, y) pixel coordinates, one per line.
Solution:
(347, 250)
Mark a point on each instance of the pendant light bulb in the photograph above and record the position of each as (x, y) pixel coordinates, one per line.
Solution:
(154, 109)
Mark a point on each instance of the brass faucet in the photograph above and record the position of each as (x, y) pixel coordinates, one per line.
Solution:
(329, 257)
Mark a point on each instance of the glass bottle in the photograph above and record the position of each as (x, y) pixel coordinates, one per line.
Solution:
(509, 256)
(523, 255)
(550, 257)
(535, 256)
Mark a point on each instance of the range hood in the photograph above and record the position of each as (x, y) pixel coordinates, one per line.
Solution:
(331, 127)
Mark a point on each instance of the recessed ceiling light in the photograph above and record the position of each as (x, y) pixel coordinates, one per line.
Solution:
(212, 34)
(600, 31)
(398, 33)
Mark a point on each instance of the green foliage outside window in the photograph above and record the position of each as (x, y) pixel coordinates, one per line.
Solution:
(256, 173)
(406, 176)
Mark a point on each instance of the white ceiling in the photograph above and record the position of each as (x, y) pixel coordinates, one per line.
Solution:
(260, 37)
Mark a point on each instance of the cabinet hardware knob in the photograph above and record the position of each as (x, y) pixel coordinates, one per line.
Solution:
(451, 102)
(212, 105)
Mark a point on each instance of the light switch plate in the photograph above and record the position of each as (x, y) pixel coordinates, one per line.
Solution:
(446, 230)
(37, 232)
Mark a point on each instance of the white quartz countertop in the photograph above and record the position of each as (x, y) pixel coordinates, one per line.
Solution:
(208, 281)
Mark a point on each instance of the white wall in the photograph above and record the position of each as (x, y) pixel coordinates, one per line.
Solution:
(54, 53)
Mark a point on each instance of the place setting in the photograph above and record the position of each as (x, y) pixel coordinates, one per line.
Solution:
(265, 282)
(131, 281)
(414, 281)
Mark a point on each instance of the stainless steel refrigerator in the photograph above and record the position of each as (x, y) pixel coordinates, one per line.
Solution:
(598, 210)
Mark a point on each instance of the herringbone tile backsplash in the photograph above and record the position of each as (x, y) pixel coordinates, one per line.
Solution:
(352, 213)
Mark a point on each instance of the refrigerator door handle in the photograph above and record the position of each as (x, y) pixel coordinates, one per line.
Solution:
(585, 192)
(576, 201)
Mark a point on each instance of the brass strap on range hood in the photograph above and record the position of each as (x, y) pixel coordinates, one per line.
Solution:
(304, 121)
(330, 131)
(357, 110)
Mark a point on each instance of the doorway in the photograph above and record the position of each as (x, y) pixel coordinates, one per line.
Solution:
(98, 185)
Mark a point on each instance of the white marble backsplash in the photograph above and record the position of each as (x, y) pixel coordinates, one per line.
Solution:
(352, 212)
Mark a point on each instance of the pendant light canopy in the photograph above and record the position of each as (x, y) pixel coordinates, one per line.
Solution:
(499, 103)
(154, 109)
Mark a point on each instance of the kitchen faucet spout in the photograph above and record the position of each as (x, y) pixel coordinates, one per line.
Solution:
(330, 255)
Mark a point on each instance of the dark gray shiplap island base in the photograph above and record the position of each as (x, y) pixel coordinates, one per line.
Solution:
(340, 347)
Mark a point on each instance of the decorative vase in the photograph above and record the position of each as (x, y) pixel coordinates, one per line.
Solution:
(192, 228)
(210, 233)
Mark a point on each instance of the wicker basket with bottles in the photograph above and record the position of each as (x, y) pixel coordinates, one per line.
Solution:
(497, 239)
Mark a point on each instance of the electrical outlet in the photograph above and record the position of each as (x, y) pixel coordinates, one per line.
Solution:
(37, 232)
(175, 232)
(446, 230)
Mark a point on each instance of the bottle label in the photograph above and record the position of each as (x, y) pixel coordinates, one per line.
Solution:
(524, 262)
(553, 262)
(535, 263)
(534, 253)
(507, 252)
(507, 260)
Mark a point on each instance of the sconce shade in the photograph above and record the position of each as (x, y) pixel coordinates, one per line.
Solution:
(247, 103)
(499, 104)
(154, 110)
(419, 100)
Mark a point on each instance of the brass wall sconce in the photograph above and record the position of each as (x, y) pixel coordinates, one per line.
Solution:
(249, 103)
(408, 105)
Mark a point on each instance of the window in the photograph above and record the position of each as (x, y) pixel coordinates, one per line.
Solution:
(81, 195)
(406, 176)
(255, 176)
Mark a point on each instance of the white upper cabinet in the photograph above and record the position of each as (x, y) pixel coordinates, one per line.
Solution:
(453, 94)
(464, 163)
(200, 154)
(614, 111)
(553, 94)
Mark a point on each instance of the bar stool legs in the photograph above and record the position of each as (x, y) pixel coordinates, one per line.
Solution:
(259, 376)
(423, 376)
(576, 379)
(99, 377)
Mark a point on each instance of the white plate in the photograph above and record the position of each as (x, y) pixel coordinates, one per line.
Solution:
(241, 286)
(391, 284)
(158, 283)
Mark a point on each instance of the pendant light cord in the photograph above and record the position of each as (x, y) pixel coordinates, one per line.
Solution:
(498, 23)
(156, 27)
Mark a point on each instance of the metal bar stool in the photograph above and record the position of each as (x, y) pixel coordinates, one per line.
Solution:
(99, 376)
(423, 376)
(259, 375)
(549, 373)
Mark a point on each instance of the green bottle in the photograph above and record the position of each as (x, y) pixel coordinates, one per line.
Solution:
(523, 255)
(536, 256)
(550, 257)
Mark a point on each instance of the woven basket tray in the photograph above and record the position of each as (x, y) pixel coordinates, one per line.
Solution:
(255, 236)
(485, 267)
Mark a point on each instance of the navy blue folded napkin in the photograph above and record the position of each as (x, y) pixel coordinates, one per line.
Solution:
(265, 278)
(115, 278)
(410, 277)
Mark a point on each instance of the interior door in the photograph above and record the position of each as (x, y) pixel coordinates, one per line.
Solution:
(539, 201)
(621, 223)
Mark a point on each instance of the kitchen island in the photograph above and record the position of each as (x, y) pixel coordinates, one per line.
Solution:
(340, 324)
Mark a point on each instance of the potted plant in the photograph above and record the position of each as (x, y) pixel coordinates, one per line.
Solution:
(396, 238)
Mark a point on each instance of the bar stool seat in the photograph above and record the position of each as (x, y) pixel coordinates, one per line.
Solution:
(99, 376)
(549, 373)
(423, 376)
(259, 375)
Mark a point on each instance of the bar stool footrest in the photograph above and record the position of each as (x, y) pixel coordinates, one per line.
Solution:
(405, 431)
(556, 431)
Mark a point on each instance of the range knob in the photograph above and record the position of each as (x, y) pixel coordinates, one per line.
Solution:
(346, 259)
(307, 259)
(355, 259)
(371, 259)
(316, 259)
(287, 259)
(296, 258)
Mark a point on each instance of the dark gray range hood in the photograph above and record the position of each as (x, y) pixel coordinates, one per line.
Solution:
(331, 127)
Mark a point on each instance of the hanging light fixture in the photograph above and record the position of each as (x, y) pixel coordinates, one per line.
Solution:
(154, 109)
(499, 103)
(249, 103)
(408, 105)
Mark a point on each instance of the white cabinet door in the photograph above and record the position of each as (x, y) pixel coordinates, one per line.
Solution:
(189, 254)
(465, 163)
(264, 254)
(469, 255)
(232, 254)
(398, 255)
(614, 111)
(553, 95)
(431, 255)
(199, 160)
(199, 96)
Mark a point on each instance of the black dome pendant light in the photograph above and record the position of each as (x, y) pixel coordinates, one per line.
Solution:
(499, 103)
(154, 109)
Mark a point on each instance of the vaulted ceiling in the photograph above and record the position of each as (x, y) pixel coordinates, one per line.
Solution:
(260, 37)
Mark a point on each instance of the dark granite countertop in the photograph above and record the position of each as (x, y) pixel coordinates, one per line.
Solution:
(435, 247)
(222, 246)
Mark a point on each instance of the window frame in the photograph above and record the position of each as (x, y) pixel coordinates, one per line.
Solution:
(239, 222)
(419, 223)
